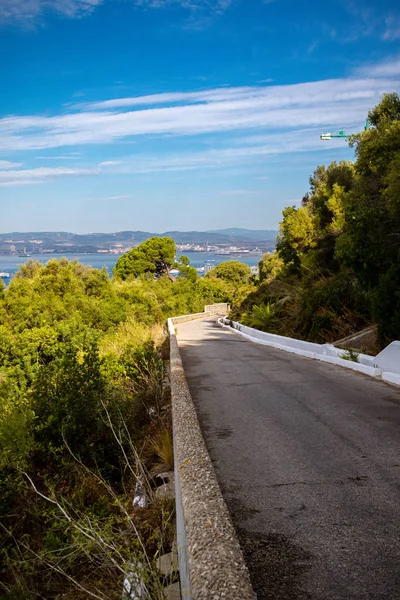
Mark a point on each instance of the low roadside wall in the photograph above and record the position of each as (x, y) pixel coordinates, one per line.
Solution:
(210, 309)
(389, 361)
(385, 365)
(217, 309)
(211, 563)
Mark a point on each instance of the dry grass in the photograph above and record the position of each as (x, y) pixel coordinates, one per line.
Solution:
(163, 449)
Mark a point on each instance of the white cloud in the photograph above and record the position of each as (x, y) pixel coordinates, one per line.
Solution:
(392, 31)
(253, 150)
(121, 197)
(6, 164)
(249, 125)
(28, 11)
(60, 157)
(35, 176)
(217, 6)
(386, 68)
(326, 104)
(241, 192)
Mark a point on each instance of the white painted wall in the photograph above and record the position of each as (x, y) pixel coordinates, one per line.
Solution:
(385, 365)
(389, 360)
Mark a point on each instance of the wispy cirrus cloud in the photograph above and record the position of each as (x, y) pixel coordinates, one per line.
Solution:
(392, 28)
(34, 176)
(242, 192)
(368, 20)
(27, 12)
(216, 6)
(228, 126)
(333, 103)
(253, 150)
(110, 163)
(6, 164)
(59, 157)
(120, 197)
(387, 68)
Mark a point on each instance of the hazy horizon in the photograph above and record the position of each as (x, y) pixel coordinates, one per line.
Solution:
(139, 230)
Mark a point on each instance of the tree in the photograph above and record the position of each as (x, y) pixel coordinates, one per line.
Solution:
(185, 270)
(233, 272)
(297, 235)
(183, 261)
(269, 266)
(387, 111)
(189, 273)
(78, 368)
(235, 276)
(370, 244)
(154, 256)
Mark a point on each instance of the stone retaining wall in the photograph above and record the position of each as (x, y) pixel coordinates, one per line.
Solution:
(211, 563)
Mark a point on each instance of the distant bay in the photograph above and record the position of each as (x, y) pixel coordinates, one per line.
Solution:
(10, 264)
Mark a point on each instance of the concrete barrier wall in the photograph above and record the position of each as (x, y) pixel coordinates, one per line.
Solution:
(323, 352)
(210, 309)
(217, 309)
(211, 563)
(364, 359)
(278, 339)
(389, 358)
(385, 365)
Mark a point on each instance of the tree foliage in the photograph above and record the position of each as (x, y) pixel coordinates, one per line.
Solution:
(155, 256)
(387, 111)
(232, 272)
(270, 266)
(81, 394)
(341, 247)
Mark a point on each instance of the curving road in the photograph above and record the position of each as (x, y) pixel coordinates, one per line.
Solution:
(308, 458)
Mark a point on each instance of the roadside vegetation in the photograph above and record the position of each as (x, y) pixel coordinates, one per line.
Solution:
(336, 268)
(85, 422)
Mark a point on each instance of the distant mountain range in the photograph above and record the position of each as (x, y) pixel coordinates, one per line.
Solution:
(248, 234)
(66, 242)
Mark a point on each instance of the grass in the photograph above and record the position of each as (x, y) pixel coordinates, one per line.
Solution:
(351, 355)
(163, 448)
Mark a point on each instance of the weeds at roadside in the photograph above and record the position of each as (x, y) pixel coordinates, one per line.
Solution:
(351, 355)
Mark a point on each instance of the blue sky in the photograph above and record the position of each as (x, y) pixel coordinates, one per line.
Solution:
(180, 114)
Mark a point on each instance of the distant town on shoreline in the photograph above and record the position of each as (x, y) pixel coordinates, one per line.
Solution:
(233, 242)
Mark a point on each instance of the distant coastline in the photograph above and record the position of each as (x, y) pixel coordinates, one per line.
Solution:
(11, 264)
(228, 241)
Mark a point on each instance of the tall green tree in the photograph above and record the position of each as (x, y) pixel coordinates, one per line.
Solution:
(370, 244)
(233, 272)
(154, 256)
(387, 111)
(270, 266)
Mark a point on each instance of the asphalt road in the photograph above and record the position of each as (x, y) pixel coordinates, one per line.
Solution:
(308, 458)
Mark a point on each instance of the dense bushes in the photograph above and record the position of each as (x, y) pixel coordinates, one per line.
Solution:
(338, 253)
(81, 403)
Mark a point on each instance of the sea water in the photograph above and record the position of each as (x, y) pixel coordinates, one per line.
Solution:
(10, 264)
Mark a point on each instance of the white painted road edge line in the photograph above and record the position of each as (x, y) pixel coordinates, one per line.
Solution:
(347, 364)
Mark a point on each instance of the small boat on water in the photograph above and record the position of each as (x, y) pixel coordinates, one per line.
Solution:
(4, 274)
(24, 255)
